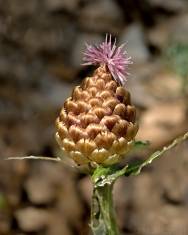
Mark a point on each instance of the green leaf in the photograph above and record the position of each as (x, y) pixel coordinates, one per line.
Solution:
(108, 175)
(140, 144)
(102, 172)
(56, 159)
(135, 169)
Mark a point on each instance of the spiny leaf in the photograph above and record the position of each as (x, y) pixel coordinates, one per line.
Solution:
(136, 169)
(108, 175)
(56, 159)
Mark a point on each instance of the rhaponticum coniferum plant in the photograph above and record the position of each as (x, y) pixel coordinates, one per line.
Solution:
(97, 127)
(97, 124)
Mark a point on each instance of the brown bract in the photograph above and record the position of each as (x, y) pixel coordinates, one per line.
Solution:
(97, 123)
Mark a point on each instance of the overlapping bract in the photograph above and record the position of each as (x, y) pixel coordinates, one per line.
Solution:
(97, 123)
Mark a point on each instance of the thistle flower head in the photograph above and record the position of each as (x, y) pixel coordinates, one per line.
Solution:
(97, 124)
(107, 53)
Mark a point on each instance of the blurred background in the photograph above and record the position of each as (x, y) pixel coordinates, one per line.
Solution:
(41, 45)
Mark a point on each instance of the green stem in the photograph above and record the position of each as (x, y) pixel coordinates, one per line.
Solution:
(103, 220)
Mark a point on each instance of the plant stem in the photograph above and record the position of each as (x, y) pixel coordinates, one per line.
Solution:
(103, 220)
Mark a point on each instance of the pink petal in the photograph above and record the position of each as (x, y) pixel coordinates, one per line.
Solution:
(114, 57)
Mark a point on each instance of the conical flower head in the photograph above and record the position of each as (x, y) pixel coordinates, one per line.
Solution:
(97, 123)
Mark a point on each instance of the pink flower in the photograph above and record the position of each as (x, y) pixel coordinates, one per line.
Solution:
(115, 58)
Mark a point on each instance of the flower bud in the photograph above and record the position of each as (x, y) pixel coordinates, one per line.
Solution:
(97, 123)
